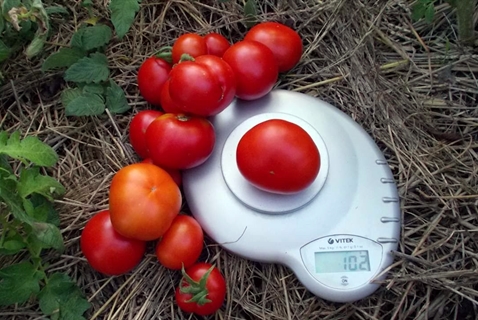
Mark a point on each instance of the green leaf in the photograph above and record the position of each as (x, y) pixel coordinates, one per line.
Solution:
(95, 36)
(4, 49)
(48, 235)
(18, 282)
(43, 210)
(115, 99)
(94, 88)
(2, 23)
(12, 244)
(92, 69)
(36, 46)
(77, 39)
(4, 164)
(9, 4)
(62, 299)
(70, 94)
(31, 181)
(56, 9)
(250, 13)
(123, 13)
(30, 149)
(430, 13)
(8, 187)
(87, 104)
(65, 57)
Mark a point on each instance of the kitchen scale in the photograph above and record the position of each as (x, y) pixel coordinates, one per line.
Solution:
(337, 235)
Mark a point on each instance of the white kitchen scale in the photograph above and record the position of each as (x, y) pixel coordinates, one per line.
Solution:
(337, 235)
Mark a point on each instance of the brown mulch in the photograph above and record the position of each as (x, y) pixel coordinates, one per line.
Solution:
(412, 86)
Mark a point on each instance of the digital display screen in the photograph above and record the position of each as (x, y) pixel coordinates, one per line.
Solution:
(342, 261)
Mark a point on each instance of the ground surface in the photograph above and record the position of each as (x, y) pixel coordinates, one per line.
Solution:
(412, 86)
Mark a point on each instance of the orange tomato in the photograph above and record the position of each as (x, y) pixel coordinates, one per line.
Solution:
(143, 201)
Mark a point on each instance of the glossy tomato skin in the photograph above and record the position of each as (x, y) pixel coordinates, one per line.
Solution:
(255, 68)
(143, 201)
(167, 104)
(190, 43)
(174, 173)
(216, 290)
(278, 156)
(182, 244)
(106, 250)
(283, 41)
(152, 74)
(179, 141)
(216, 44)
(137, 130)
(203, 87)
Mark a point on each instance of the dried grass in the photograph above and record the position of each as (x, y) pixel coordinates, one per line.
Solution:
(411, 86)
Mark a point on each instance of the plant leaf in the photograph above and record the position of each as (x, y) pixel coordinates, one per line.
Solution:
(56, 9)
(18, 282)
(43, 210)
(31, 181)
(65, 57)
(4, 49)
(250, 13)
(49, 235)
(36, 46)
(70, 94)
(93, 88)
(87, 104)
(8, 187)
(13, 243)
(30, 148)
(62, 299)
(93, 69)
(123, 13)
(115, 99)
(95, 36)
(430, 13)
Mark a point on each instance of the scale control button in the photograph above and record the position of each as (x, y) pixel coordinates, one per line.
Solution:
(389, 199)
(389, 219)
(387, 180)
(387, 240)
(344, 281)
(381, 162)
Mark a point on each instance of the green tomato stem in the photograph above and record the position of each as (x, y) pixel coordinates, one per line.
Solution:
(464, 13)
(197, 289)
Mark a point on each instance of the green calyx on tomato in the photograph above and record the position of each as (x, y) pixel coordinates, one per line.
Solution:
(165, 53)
(197, 289)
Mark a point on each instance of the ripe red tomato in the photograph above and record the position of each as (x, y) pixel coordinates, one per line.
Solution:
(182, 244)
(255, 68)
(143, 201)
(179, 141)
(152, 74)
(216, 44)
(206, 299)
(174, 173)
(278, 156)
(137, 130)
(190, 43)
(106, 250)
(167, 103)
(283, 41)
(203, 87)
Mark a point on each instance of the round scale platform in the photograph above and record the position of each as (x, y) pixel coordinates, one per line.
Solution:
(337, 234)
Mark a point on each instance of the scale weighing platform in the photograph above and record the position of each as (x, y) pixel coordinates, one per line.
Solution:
(337, 234)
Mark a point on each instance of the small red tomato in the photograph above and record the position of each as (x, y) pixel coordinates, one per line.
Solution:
(208, 288)
(182, 244)
(106, 250)
(190, 43)
(174, 173)
(152, 74)
(203, 87)
(179, 141)
(216, 44)
(278, 156)
(167, 104)
(137, 130)
(255, 68)
(283, 41)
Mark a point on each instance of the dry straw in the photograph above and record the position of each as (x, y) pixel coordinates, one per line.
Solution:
(408, 84)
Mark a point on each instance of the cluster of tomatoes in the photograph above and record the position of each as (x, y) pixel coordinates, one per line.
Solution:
(196, 78)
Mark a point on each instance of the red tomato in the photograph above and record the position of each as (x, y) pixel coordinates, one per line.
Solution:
(216, 44)
(137, 129)
(174, 173)
(278, 156)
(182, 244)
(203, 87)
(152, 74)
(106, 250)
(190, 43)
(167, 103)
(283, 41)
(255, 68)
(143, 201)
(180, 142)
(207, 296)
